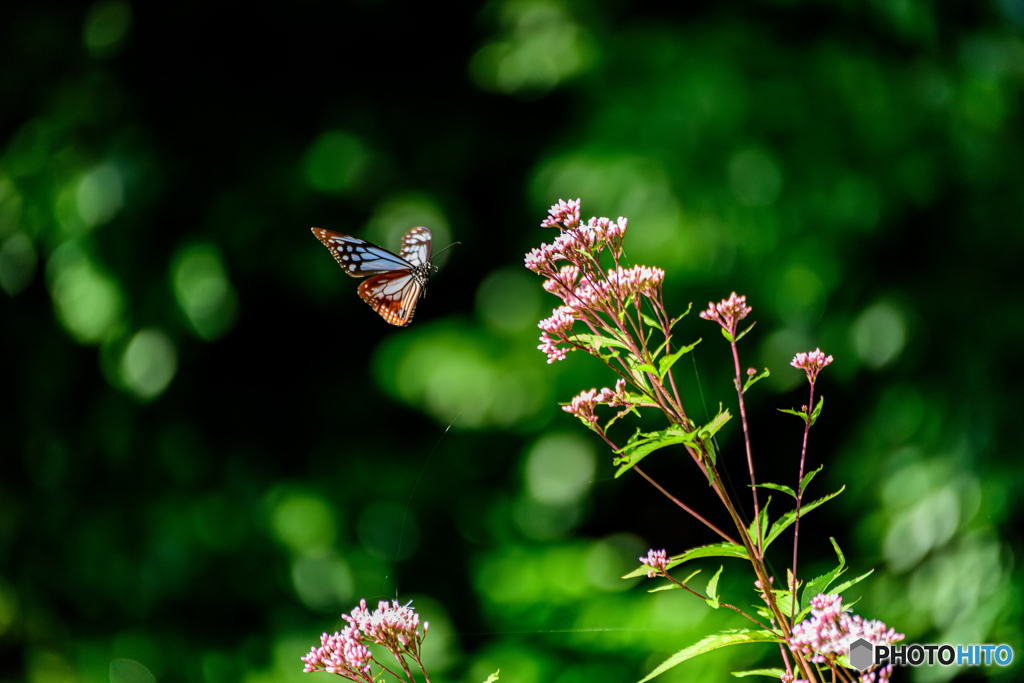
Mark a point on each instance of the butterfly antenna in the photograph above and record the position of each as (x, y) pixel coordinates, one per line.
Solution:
(446, 249)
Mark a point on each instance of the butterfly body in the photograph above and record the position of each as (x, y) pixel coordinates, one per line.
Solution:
(396, 281)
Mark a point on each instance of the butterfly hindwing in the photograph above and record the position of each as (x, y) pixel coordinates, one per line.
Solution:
(393, 295)
(396, 283)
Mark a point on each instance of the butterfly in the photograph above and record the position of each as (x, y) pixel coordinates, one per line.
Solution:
(397, 281)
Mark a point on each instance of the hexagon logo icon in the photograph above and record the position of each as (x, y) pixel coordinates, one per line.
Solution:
(861, 654)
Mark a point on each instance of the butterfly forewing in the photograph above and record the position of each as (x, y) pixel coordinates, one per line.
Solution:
(397, 282)
(357, 257)
(416, 246)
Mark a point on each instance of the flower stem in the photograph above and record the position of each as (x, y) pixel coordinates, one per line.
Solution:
(799, 496)
(746, 441)
(685, 507)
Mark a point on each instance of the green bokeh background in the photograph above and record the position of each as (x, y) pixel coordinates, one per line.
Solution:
(211, 448)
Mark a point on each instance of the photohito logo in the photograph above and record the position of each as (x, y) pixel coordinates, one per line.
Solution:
(863, 654)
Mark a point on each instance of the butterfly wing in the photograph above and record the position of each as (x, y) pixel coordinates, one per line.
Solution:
(360, 258)
(393, 295)
(416, 246)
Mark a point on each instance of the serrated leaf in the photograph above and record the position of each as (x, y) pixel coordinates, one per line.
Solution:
(597, 340)
(673, 321)
(712, 589)
(666, 587)
(771, 673)
(817, 410)
(785, 520)
(689, 307)
(666, 363)
(763, 518)
(743, 334)
(673, 586)
(756, 378)
(799, 413)
(710, 643)
(852, 582)
(784, 601)
(810, 475)
(717, 422)
(776, 487)
(724, 549)
(821, 583)
(641, 445)
(691, 575)
(630, 410)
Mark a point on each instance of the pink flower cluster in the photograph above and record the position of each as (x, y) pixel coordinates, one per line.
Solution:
(394, 626)
(572, 267)
(811, 363)
(563, 215)
(576, 241)
(342, 653)
(828, 632)
(657, 560)
(879, 676)
(728, 312)
(583, 404)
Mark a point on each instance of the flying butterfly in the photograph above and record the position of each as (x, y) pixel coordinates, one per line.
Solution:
(397, 281)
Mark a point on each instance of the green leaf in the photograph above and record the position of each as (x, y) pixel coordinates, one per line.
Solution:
(650, 321)
(493, 677)
(673, 586)
(666, 587)
(784, 600)
(743, 334)
(724, 549)
(817, 410)
(728, 337)
(763, 518)
(756, 378)
(711, 428)
(622, 413)
(799, 413)
(597, 341)
(821, 583)
(640, 445)
(807, 478)
(714, 642)
(785, 520)
(672, 323)
(776, 487)
(771, 673)
(666, 363)
(637, 368)
(712, 589)
(852, 582)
